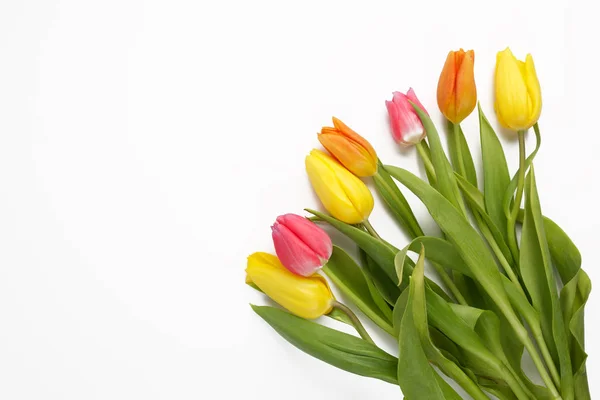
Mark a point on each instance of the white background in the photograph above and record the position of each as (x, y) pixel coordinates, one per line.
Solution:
(147, 146)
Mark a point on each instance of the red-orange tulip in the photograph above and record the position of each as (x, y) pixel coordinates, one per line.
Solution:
(352, 150)
(456, 92)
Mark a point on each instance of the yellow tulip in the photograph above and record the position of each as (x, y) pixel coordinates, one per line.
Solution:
(344, 195)
(518, 93)
(307, 297)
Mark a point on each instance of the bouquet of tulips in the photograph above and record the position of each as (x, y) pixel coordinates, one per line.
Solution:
(498, 294)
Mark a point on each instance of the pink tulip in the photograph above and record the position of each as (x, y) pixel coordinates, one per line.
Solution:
(407, 128)
(302, 247)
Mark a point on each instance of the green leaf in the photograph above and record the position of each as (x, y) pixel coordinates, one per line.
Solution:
(349, 278)
(436, 250)
(496, 177)
(477, 203)
(417, 379)
(538, 276)
(573, 297)
(463, 156)
(340, 316)
(381, 252)
(446, 183)
(339, 349)
(470, 246)
(563, 251)
(385, 286)
(396, 202)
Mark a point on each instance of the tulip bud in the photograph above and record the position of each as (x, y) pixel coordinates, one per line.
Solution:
(302, 247)
(306, 297)
(349, 148)
(344, 195)
(518, 92)
(407, 128)
(456, 92)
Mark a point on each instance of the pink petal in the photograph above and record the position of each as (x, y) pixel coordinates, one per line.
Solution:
(412, 96)
(294, 254)
(406, 125)
(310, 233)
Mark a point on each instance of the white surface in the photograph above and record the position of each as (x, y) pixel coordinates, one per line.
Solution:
(146, 147)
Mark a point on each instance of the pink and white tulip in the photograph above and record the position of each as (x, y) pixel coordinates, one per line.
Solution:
(302, 247)
(407, 128)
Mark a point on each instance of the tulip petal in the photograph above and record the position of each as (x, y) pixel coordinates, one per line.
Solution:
(465, 90)
(512, 99)
(307, 297)
(446, 90)
(407, 128)
(533, 89)
(293, 253)
(344, 195)
(309, 233)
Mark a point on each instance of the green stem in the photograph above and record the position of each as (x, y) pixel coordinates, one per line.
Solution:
(515, 383)
(500, 256)
(455, 372)
(355, 321)
(539, 337)
(371, 230)
(426, 160)
(524, 338)
(512, 220)
(449, 283)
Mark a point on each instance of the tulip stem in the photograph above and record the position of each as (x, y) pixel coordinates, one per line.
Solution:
(371, 230)
(355, 321)
(426, 160)
(512, 220)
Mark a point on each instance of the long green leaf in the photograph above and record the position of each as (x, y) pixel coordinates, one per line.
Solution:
(385, 286)
(396, 202)
(446, 183)
(341, 350)
(477, 203)
(465, 238)
(496, 177)
(463, 156)
(416, 377)
(538, 276)
(350, 279)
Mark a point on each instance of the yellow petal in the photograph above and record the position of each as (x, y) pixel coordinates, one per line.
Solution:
(344, 195)
(534, 90)
(305, 297)
(511, 91)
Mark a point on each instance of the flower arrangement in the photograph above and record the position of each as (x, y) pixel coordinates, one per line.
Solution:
(500, 294)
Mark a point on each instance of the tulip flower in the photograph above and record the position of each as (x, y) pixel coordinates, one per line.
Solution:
(349, 148)
(456, 92)
(302, 247)
(306, 297)
(407, 128)
(344, 195)
(518, 92)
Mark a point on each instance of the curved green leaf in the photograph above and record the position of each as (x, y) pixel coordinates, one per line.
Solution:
(538, 277)
(396, 202)
(445, 181)
(416, 377)
(385, 286)
(349, 278)
(463, 156)
(496, 177)
(339, 349)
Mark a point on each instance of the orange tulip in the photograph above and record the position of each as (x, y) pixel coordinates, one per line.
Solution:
(352, 150)
(456, 92)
